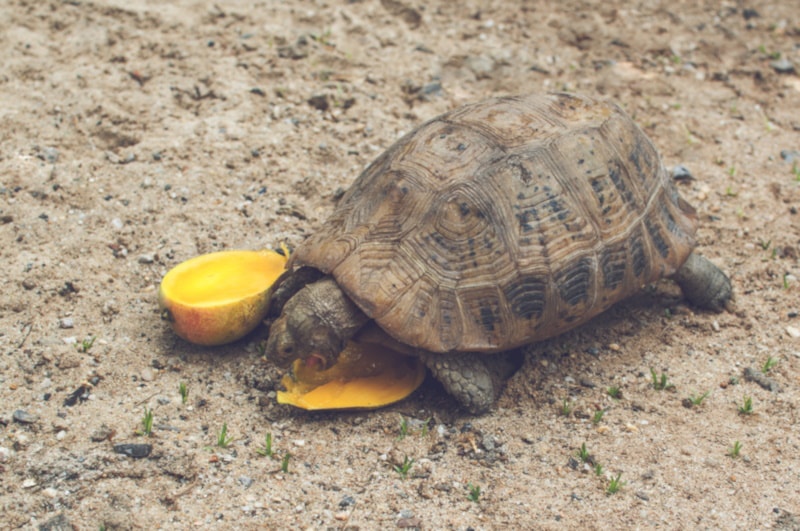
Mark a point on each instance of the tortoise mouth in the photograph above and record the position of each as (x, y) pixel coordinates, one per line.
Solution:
(316, 361)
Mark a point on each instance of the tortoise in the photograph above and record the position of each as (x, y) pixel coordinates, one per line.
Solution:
(495, 225)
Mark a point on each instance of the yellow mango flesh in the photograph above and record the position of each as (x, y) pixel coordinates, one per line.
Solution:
(217, 298)
(364, 377)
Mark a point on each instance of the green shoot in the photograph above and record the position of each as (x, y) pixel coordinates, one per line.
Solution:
(768, 364)
(698, 400)
(583, 453)
(765, 244)
(730, 192)
(732, 171)
(424, 431)
(615, 484)
(86, 344)
(267, 450)
(598, 416)
(184, 391)
(598, 469)
(403, 428)
(222, 437)
(405, 467)
(285, 462)
(659, 382)
(734, 451)
(566, 408)
(261, 348)
(786, 281)
(147, 422)
(614, 392)
(474, 492)
(796, 171)
(747, 407)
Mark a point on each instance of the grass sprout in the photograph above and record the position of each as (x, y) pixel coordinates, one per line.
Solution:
(404, 469)
(267, 450)
(583, 454)
(747, 406)
(735, 449)
(659, 382)
(147, 422)
(768, 364)
(615, 484)
(222, 437)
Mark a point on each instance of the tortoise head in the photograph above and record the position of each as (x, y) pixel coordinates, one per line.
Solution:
(315, 325)
(297, 335)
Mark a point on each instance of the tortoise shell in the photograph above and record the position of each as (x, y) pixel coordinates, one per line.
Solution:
(503, 223)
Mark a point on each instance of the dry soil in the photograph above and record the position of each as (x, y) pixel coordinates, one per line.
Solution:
(138, 134)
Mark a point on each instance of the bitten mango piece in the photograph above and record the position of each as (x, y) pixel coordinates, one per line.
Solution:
(219, 297)
(364, 377)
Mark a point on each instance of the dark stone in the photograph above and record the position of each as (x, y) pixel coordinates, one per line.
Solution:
(135, 450)
(23, 417)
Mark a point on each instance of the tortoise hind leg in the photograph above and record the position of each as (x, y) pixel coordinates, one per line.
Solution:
(703, 283)
(474, 380)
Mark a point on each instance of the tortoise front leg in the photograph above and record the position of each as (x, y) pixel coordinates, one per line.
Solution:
(475, 380)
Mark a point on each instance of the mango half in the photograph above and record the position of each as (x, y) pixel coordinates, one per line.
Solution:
(219, 297)
(364, 377)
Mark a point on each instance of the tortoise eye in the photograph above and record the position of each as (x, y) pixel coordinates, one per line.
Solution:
(288, 350)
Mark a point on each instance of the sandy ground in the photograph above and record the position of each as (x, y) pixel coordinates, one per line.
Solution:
(138, 134)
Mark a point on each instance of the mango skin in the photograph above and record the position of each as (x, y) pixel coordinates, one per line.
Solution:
(217, 325)
(211, 323)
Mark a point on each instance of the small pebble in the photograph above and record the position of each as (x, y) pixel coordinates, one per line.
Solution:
(793, 331)
(133, 450)
(66, 322)
(347, 501)
(790, 155)
(782, 66)
(23, 417)
(101, 434)
(682, 173)
(245, 481)
(50, 492)
(615, 347)
(61, 435)
(50, 154)
(146, 374)
(146, 258)
(409, 523)
(342, 516)
(29, 483)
